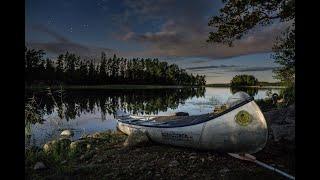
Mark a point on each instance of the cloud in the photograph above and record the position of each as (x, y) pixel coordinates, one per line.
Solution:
(62, 45)
(212, 76)
(252, 69)
(44, 29)
(211, 67)
(230, 68)
(177, 43)
(184, 30)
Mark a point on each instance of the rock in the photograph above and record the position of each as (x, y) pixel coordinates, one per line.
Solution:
(224, 170)
(39, 166)
(181, 114)
(88, 146)
(64, 162)
(84, 136)
(48, 146)
(78, 145)
(74, 145)
(193, 157)
(280, 100)
(95, 135)
(136, 138)
(82, 157)
(61, 144)
(67, 133)
(173, 163)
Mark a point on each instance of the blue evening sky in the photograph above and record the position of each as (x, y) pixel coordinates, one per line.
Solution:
(174, 31)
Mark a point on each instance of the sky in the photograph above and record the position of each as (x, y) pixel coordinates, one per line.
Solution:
(171, 30)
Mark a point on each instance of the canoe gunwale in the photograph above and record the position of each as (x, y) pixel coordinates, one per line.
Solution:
(248, 100)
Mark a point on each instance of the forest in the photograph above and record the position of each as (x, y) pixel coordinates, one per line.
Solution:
(70, 69)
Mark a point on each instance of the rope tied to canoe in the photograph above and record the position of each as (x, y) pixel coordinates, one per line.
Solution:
(248, 157)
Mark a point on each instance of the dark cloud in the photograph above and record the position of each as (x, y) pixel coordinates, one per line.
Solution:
(211, 67)
(183, 44)
(212, 76)
(184, 30)
(252, 69)
(199, 61)
(44, 29)
(230, 68)
(63, 44)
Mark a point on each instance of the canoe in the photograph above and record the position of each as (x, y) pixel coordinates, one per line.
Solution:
(240, 128)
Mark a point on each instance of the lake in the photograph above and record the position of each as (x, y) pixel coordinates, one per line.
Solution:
(90, 111)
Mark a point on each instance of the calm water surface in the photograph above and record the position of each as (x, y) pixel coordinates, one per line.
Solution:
(90, 111)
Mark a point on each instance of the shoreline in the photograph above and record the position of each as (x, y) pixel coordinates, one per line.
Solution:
(137, 86)
(111, 86)
(103, 155)
(258, 87)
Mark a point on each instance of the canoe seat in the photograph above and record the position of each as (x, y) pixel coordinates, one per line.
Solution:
(183, 120)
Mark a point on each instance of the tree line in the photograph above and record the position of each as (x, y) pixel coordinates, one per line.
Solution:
(69, 68)
(244, 80)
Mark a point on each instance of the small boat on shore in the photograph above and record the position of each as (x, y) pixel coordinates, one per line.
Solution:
(239, 128)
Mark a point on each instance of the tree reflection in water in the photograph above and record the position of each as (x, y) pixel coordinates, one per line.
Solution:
(252, 91)
(143, 101)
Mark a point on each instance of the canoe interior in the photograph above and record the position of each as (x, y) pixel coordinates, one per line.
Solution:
(178, 121)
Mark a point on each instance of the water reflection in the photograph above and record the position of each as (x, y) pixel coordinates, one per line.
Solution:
(252, 91)
(90, 111)
(72, 103)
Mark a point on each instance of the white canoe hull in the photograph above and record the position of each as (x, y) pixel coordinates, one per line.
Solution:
(222, 133)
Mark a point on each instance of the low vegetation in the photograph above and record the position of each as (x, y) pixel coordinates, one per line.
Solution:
(60, 157)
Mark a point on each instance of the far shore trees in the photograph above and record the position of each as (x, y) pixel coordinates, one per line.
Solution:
(72, 70)
(244, 81)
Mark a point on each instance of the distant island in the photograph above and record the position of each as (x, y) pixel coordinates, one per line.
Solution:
(245, 80)
(261, 84)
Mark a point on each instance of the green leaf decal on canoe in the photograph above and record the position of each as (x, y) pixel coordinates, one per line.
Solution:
(243, 118)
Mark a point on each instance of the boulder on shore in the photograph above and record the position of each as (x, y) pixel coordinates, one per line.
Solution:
(56, 145)
(67, 133)
(136, 138)
(49, 146)
(39, 166)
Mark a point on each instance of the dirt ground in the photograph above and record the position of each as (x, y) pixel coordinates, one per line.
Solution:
(155, 161)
